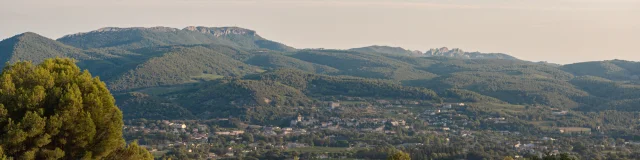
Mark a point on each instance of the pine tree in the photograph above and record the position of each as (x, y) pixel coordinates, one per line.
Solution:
(56, 111)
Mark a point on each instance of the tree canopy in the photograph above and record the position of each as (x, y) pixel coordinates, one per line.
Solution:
(56, 111)
(399, 155)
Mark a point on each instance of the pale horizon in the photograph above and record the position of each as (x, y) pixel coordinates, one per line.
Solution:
(557, 31)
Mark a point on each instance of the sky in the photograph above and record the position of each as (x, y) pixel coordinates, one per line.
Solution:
(558, 31)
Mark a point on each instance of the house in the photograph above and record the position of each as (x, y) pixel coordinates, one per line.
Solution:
(237, 132)
(548, 139)
(517, 145)
(632, 143)
(398, 123)
(177, 125)
(402, 122)
(334, 105)
(223, 133)
(202, 127)
(211, 156)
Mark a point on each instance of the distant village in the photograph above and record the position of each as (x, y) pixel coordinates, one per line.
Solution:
(444, 120)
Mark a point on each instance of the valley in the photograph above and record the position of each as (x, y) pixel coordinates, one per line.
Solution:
(228, 93)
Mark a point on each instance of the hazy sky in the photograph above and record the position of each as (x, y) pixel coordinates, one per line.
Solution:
(561, 31)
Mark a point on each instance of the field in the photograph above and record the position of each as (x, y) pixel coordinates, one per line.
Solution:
(574, 129)
(321, 149)
(501, 108)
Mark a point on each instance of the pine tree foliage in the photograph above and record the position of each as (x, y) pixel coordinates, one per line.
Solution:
(56, 111)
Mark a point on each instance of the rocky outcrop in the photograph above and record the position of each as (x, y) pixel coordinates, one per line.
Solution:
(222, 31)
(459, 53)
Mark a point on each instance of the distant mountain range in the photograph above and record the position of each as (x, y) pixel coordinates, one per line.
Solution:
(222, 71)
(439, 52)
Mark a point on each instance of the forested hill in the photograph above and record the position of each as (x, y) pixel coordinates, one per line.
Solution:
(36, 48)
(613, 69)
(138, 37)
(202, 72)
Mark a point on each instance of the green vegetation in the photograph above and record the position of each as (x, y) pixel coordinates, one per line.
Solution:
(613, 69)
(55, 111)
(233, 75)
(399, 156)
(140, 105)
(33, 47)
(320, 149)
(387, 50)
(130, 59)
(275, 61)
(207, 77)
(178, 66)
(131, 38)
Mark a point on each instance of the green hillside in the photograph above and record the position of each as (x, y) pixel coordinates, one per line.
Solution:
(178, 65)
(387, 50)
(348, 86)
(33, 47)
(613, 69)
(139, 105)
(275, 61)
(368, 65)
(131, 38)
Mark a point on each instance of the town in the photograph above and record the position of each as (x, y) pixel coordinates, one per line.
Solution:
(382, 123)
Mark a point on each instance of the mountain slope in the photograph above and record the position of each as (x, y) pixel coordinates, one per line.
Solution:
(139, 105)
(387, 50)
(132, 38)
(613, 69)
(275, 61)
(180, 65)
(368, 65)
(33, 47)
(517, 82)
(322, 85)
